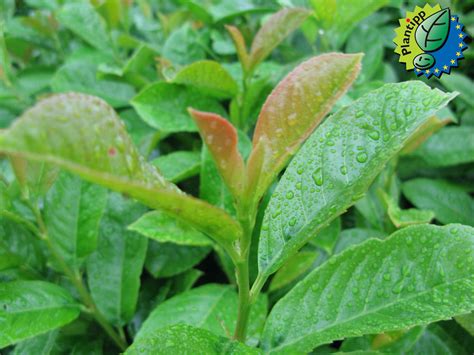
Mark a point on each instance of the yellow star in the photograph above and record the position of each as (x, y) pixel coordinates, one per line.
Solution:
(453, 18)
(458, 54)
(453, 61)
(460, 35)
(427, 71)
(436, 70)
(458, 27)
(460, 45)
(445, 67)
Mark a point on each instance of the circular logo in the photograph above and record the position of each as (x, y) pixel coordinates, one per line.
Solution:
(430, 41)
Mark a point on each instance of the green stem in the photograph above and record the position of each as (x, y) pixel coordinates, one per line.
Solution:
(76, 280)
(242, 270)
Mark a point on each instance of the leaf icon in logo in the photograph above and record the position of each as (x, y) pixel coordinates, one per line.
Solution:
(433, 32)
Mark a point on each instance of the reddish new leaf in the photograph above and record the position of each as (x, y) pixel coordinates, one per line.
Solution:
(274, 31)
(221, 139)
(293, 110)
(240, 46)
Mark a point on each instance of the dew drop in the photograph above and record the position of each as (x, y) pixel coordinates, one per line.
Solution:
(317, 177)
(375, 135)
(289, 195)
(298, 185)
(362, 157)
(387, 276)
(359, 114)
(292, 221)
(300, 170)
(292, 119)
(343, 170)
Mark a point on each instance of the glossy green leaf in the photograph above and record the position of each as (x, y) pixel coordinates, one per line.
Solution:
(432, 125)
(114, 269)
(327, 237)
(402, 218)
(30, 308)
(178, 166)
(451, 146)
(20, 243)
(431, 34)
(171, 259)
(467, 322)
(353, 236)
(212, 307)
(418, 275)
(294, 267)
(357, 141)
(208, 77)
(84, 135)
(72, 212)
(164, 106)
(164, 228)
(437, 340)
(293, 110)
(450, 203)
(221, 139)
(82, 19)
(81, 77)
(43, 344)
(184, 339)
(274, 31)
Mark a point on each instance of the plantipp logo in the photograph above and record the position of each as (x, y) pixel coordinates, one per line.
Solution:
(430, 41)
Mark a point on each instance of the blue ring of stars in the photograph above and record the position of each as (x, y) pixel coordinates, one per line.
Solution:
(448, 56)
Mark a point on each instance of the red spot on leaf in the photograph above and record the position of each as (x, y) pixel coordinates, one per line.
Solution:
(408, 20)
(112, 151)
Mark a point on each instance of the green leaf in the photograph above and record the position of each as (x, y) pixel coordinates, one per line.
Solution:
(431, 34)
(355, 236)
(72, 212)
(460, 83)
(43, 344)
(467, 322)
(212, 307)
(164, 106)
(274, 31)
(337, 164)
(183, 339)
(82, 19)
(419, 275)
(184, 46)
(293, 110)
(84, 135)
(339, 17)
(451, 146)
(294, 267)
(165, 228)
(327, 238)
(450, 203)
(436, 340)
(81, 77)
(208, 77)
(170, 259)
(114, 269)
(178, 166)
(19, 242)
(30, 308)
(402, 218)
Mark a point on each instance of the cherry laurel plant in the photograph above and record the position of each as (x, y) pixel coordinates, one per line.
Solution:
(304, 169)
